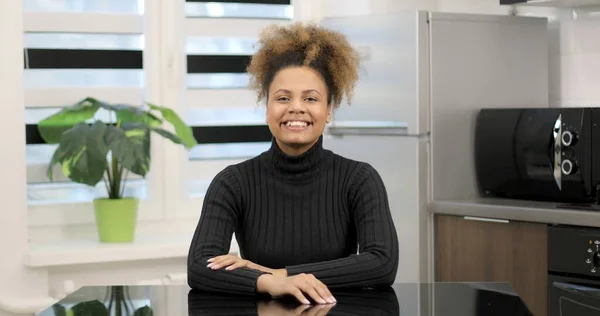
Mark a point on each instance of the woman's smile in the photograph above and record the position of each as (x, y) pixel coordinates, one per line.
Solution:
(296, 125)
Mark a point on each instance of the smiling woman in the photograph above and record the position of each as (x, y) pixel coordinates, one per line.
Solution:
(306, 219)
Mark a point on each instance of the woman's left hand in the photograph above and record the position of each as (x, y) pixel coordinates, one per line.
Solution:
(231, 262)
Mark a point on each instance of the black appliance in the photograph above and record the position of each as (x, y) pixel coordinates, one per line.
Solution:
(573, 271)
(545, 154)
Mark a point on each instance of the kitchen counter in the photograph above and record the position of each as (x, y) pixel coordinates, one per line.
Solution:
(517, 210)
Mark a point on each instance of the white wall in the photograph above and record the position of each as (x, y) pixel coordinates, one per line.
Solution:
(64, 279)
(575, 77)
(19, 286)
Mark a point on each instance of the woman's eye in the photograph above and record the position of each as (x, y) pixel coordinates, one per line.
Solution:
(311, 99)
(283, 99)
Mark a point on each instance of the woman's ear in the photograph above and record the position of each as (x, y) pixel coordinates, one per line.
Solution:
(329, 113)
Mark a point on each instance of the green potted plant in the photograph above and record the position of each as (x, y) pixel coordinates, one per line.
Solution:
(90, 150)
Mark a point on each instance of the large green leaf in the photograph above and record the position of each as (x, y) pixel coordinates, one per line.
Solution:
(59, 310)
(129, 113)
(183, 131)
(166, 134)
(90, 308)
(52, 127)
(143, 311)
(130, 144)
(132, 114)
(82, 153)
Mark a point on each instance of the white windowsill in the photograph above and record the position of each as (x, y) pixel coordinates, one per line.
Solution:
(90, 251)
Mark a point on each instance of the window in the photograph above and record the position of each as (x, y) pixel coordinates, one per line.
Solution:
(189, 55)
(219, 39)
(75, 49)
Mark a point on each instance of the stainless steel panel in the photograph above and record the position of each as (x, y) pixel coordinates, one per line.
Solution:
(485, 219)
(392, 85)
(367, 128)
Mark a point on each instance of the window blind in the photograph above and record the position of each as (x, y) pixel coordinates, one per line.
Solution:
(229, 125)
(75, 49)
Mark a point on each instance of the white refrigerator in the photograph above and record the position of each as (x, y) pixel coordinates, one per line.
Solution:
(424, 77)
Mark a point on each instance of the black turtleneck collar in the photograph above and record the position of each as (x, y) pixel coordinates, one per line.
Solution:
(300, 167)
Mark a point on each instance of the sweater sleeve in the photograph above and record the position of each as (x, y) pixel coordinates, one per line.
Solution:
(377, 260)
(212, 238)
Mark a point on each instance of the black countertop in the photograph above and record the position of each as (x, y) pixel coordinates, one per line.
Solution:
(411, 299)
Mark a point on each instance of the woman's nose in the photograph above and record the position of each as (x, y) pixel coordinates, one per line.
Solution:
(296, 106)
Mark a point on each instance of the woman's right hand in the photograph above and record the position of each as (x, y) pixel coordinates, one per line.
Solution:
(297, 285)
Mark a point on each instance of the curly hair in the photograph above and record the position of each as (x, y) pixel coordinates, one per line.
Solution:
(326, 51)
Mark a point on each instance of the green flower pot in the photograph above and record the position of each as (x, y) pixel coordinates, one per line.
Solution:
(116, 219)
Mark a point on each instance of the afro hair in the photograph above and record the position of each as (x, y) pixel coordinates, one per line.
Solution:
(298, 44)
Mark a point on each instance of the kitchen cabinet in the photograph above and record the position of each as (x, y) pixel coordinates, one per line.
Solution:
(471, 249)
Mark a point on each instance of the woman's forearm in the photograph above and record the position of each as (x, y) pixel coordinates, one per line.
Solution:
(213, 238)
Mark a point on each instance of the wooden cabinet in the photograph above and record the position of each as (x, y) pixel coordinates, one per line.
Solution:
(475, 249)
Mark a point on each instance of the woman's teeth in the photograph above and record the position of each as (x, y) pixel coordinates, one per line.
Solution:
(296, 124)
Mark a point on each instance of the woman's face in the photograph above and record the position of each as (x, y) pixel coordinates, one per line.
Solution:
(297, 108)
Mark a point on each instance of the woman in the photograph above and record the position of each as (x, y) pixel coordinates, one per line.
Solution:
(305, 219)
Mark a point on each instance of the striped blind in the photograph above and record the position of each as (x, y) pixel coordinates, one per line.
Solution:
(230, 126)
(79, 48)
(74, 49)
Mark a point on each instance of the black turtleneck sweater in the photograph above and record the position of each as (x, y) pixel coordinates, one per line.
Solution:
(317, 213)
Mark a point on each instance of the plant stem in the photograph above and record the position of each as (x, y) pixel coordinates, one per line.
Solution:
(124, 180)
(106, 182)
(116, 173)
(112, 298)
(128, 299)
(107, 294)
(116, 183)
(119, 301)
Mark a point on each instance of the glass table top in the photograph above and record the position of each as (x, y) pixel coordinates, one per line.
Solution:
(414, 299)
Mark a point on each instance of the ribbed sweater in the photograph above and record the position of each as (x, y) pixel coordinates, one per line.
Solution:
(317, 213)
